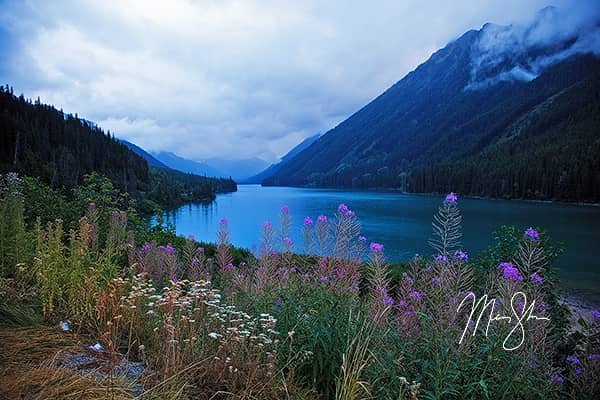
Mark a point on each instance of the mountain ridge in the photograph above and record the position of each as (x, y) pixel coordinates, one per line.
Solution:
(434, 115)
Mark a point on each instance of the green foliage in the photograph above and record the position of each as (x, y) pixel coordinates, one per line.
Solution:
(12, 225)
(62, 151)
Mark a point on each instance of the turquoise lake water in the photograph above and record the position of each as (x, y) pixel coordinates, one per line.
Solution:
(402, 223)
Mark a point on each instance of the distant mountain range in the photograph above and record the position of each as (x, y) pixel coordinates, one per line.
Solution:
(238, 170)
(504, 111)
(273, 168)
(153, 162)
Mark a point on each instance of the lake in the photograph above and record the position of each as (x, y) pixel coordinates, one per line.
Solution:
(402, 223)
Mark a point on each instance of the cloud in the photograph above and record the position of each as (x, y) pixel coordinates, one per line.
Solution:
(520, 52)
(225, 78)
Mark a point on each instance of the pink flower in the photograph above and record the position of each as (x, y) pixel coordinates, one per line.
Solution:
(376, 247)
(536, 278)
(532, 234)
(308, 221)
(285, 209)
(322, 219)
(510, 272)
(451, 198)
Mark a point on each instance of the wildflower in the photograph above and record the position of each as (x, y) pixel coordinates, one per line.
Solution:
(596, 315)
(278, 302)
(322, 219)
(200, 249)
(556, 378)
(536, 278)
(362, 239)
(223, 221)
(594, 357)
(285, 209)
(573, 360)
(323, 278)
(436, 280)
(388, 301)
(461, 256)
(267, 225)
(376, 247)
(213, 335)
(288, 241)
(510, 272)
(415, 294)
(532, 234)
(191, 237)
(451, 198)
(169, 249)
(342, 208)
(174, 280)
(145, 247)
(308, 222)
(441, 259)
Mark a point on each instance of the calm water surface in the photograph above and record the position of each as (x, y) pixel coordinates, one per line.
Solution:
(403, 223)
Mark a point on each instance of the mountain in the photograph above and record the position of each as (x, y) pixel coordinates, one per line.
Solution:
(238, 169)
(184, 165)
(38, 140)
(153, 162)
(273, 168)
(507, 112)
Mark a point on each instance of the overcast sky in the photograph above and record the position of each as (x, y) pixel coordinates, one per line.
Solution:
(232, 79)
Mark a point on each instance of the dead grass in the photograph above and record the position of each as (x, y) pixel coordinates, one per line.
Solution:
(28, 371)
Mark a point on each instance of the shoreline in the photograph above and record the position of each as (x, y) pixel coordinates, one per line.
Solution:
(431, 194)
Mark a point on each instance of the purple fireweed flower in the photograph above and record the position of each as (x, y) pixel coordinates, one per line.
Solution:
(520, 305)
(308, 221)
(388, 301)
(451, 198)
(223, 221)
(532, 234)
(342, 208)
(596, 315)
(402, 303)
(267, 225)
(461, 256)
(191, 237)
(510, 272)
(415, 294)
(229, 267)
(170, 249)
(436, 280)
(288, 241)
(285, 209)
(407, 279)
(323, 278)
(195, 261)
(146, 247)
(200, 249)
(536, 278)
(278, 302)
(441, 259)
(362, 239)
(174, 279)
(376, 247)
(322, 219)
(577, 371)
(594, 357)
(573, 360)
(556, 378)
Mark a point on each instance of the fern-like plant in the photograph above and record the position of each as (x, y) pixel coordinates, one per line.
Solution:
(446, 226)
